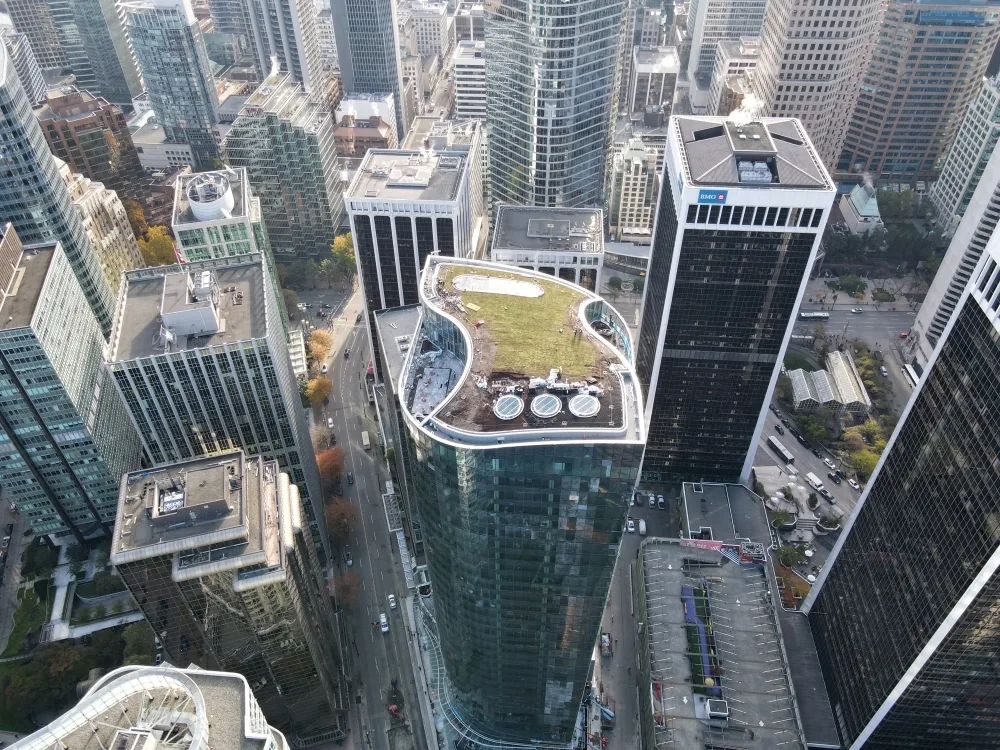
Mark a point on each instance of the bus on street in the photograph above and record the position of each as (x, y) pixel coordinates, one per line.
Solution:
(781, 450)
(814, 316)
(366, 442)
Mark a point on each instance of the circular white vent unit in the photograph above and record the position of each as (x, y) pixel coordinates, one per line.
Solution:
(584, 405)
(546, 405)
(508, 406)
(210, 196)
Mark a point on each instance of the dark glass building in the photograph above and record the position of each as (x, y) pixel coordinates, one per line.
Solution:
(906, 615)
(741, 213)
(525, 433)
(404, 206)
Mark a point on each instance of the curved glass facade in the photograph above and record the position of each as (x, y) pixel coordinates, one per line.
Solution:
(551, 98)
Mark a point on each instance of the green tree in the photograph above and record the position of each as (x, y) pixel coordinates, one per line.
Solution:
(291, 303)
(342, 250)
(813, 430)
(329, 272)
(107, 647)
(789, 555)
(302, 273)
(157, 247)
(136, 217)
(851, 284)
(140, 647)
(282, 275)
(905, 244)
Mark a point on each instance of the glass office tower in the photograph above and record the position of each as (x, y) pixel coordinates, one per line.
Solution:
(905, 613)
(525, 441)
(551, 98)
(742, 211)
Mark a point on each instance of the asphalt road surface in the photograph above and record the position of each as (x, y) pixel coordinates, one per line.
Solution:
(379, 657)
(872, 327)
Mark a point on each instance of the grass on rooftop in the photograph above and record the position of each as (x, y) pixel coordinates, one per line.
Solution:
(29, 615)
(526, 329)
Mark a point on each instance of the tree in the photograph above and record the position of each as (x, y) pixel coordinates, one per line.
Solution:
(100, 612)
(347, 588)
(282, 275)
(108, 647)
(301, 273)
(329, 271)
(140, 647)
(319, 345)
(789, 555)
(318, 389)
(864, 462)
(851, 284)
(291, 303)
(783, 389)
(39, 560)
(813, 430)
(320, 437)
(136, 217)
(342, 250)
(340, 517)
(77, 553)
(157, 247)
(331, 464)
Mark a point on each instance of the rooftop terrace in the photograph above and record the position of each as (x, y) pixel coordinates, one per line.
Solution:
(537, 359)
(408, 176)
(577, 230)
(220, 192)
(24, 287)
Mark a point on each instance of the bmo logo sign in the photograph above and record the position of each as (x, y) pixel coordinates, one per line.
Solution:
(712, 196)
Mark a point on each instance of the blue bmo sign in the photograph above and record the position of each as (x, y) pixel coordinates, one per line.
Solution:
(712, 196)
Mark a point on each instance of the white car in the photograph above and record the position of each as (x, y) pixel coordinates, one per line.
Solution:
(392, 601)
(325, 368)
(329, 423)
(383, 623)
(829, 463)
(857, 310)
(631, 526)
(854, 484)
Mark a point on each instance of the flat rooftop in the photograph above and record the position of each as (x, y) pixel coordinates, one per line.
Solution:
(210, 188)
(466, 51)
(428, 131)
(769, 153)
(534, 364)
(577, 230)
(396, 329)
(408, 176)
(139, 328)
(25, 286)
(663, 59)
(717, 677)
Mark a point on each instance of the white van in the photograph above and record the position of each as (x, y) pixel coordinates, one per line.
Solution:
(642, 527)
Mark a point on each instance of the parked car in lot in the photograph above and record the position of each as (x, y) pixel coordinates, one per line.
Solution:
(834, 478)
(785, 422)
(652, 500)
(660, 502)
(854, 484)
(630, 526)
(780, 429)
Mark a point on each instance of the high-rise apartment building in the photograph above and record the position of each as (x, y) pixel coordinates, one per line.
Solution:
(551, 99)
(215, 552)
(470, 21)
(468, 65)
(200, 358)
(45, 213)
(960, 260)
(734, 60)
(368, 50)
(741, 214)
(645, 26)
(106, 223)
(233, 17)
(974, 143)
(904, 611)
(284, 138)
(91, 135)
(25, 63)
(216, 215)
(285, 31)
(654, 77)
(178, 75)
(64, 440)
(434, 28)
(84, 36)
(125, 707)
(524, 460)
(710, 22)
(811, 64)
(926, 68)
(634, 187)
(365, 121)
(404, 206)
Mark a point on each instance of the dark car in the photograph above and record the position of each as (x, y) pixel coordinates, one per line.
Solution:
(826, 493)
(801, 439)
(357, 319)
(841, 473)
(785, 422)
(347, 353)
(10, 529)
(817, 453)
(319, 314)
(780, 429)
(350, 478)
(326, 305)
(834, 478)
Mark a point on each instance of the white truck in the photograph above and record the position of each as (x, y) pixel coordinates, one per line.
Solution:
(815, 481)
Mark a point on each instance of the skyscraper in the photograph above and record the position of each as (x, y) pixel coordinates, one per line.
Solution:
(200, 357)
(469, 66)
(284, 139)
(525, 443)
(926, 69)
(404, 206)
(904, 613)
(45, 213)
(975, 141)
(178, 75)
(215, 553)
(106, 223)
(85, 36)
(960, 260)
(25, 63)
(216, 215)
(741, 214)
(368, 50)
(233, 17)
(710, 22)
(126, 706)
(62, 446)
(91, 135)
(812, 61)
(551, 99)
(284, 31)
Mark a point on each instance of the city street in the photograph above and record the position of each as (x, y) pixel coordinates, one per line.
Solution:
(379, 657)
(882, 327)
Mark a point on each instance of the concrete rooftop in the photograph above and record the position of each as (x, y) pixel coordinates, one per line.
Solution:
(27, 280)
(578, 230)
(388, 175)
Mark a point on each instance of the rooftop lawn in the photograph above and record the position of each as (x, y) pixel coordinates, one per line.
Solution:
(526, 329)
